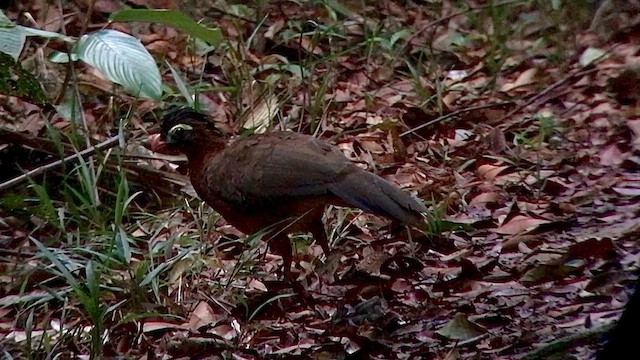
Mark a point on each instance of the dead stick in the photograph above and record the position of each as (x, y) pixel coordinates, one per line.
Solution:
(107, 144)
(546, 91)
(453, 114)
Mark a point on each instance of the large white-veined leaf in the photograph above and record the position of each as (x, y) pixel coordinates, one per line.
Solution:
(12, 37)
(12, 40)
(4, 20)
(122, 59)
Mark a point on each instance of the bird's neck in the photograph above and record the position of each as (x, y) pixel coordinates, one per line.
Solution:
(200, 156)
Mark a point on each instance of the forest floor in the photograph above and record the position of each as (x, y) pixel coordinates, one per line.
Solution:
(517, 124)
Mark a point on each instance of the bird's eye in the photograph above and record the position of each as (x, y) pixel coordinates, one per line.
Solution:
(179, 128)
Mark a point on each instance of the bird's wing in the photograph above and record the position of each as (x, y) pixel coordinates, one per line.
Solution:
(265, 168)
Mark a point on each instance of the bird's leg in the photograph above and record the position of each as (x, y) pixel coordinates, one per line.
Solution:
(280, 244)
(318, 232)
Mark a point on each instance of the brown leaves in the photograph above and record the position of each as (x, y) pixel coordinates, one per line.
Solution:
(535, 151)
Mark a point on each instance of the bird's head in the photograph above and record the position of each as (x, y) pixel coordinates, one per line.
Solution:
(186, 131)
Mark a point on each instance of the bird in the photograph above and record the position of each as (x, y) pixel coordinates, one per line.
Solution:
(279, 181)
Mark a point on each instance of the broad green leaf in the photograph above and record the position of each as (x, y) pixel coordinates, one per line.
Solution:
(123, 60)
(12, 40)
(173, 18)
(4, 21)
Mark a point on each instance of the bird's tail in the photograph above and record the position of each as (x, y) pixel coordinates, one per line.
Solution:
(370, 192)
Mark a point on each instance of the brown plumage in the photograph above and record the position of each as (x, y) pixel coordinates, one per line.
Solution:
(282, 180)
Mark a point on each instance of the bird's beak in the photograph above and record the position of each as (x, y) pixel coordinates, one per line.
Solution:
(159, 145)
(156, 144)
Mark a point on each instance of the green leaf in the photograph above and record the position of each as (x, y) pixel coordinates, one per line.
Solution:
(182, 86)
(93, 279)
(123, 60)
(151, 276)
(59, 57)
(269, 301)
(173, 18)
(62, 268)
(12, 40)
(24, 299)
(398, 35)
(5, 22)
(122, 245)
(12, 37)
(339, 8)
(47, 34)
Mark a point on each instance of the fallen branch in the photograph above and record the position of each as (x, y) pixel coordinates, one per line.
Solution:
(107, 144)
(454, 114)
(579, 73)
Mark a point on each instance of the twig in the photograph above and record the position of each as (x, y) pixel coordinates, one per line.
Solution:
(454, 113)
(107, 144)
(530, 101)
(547, 90)
(14, 137)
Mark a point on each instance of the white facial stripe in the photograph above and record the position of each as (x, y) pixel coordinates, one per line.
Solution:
(180, 127)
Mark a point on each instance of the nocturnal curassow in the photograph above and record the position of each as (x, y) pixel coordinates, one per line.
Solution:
(281, 180)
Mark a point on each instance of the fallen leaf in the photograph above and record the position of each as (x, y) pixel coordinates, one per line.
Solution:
(527, 77)
(519, 224)
(201, 316)
(486, 197)
(590, 55)
(489, 172)
(611, 156)
(460, 328)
